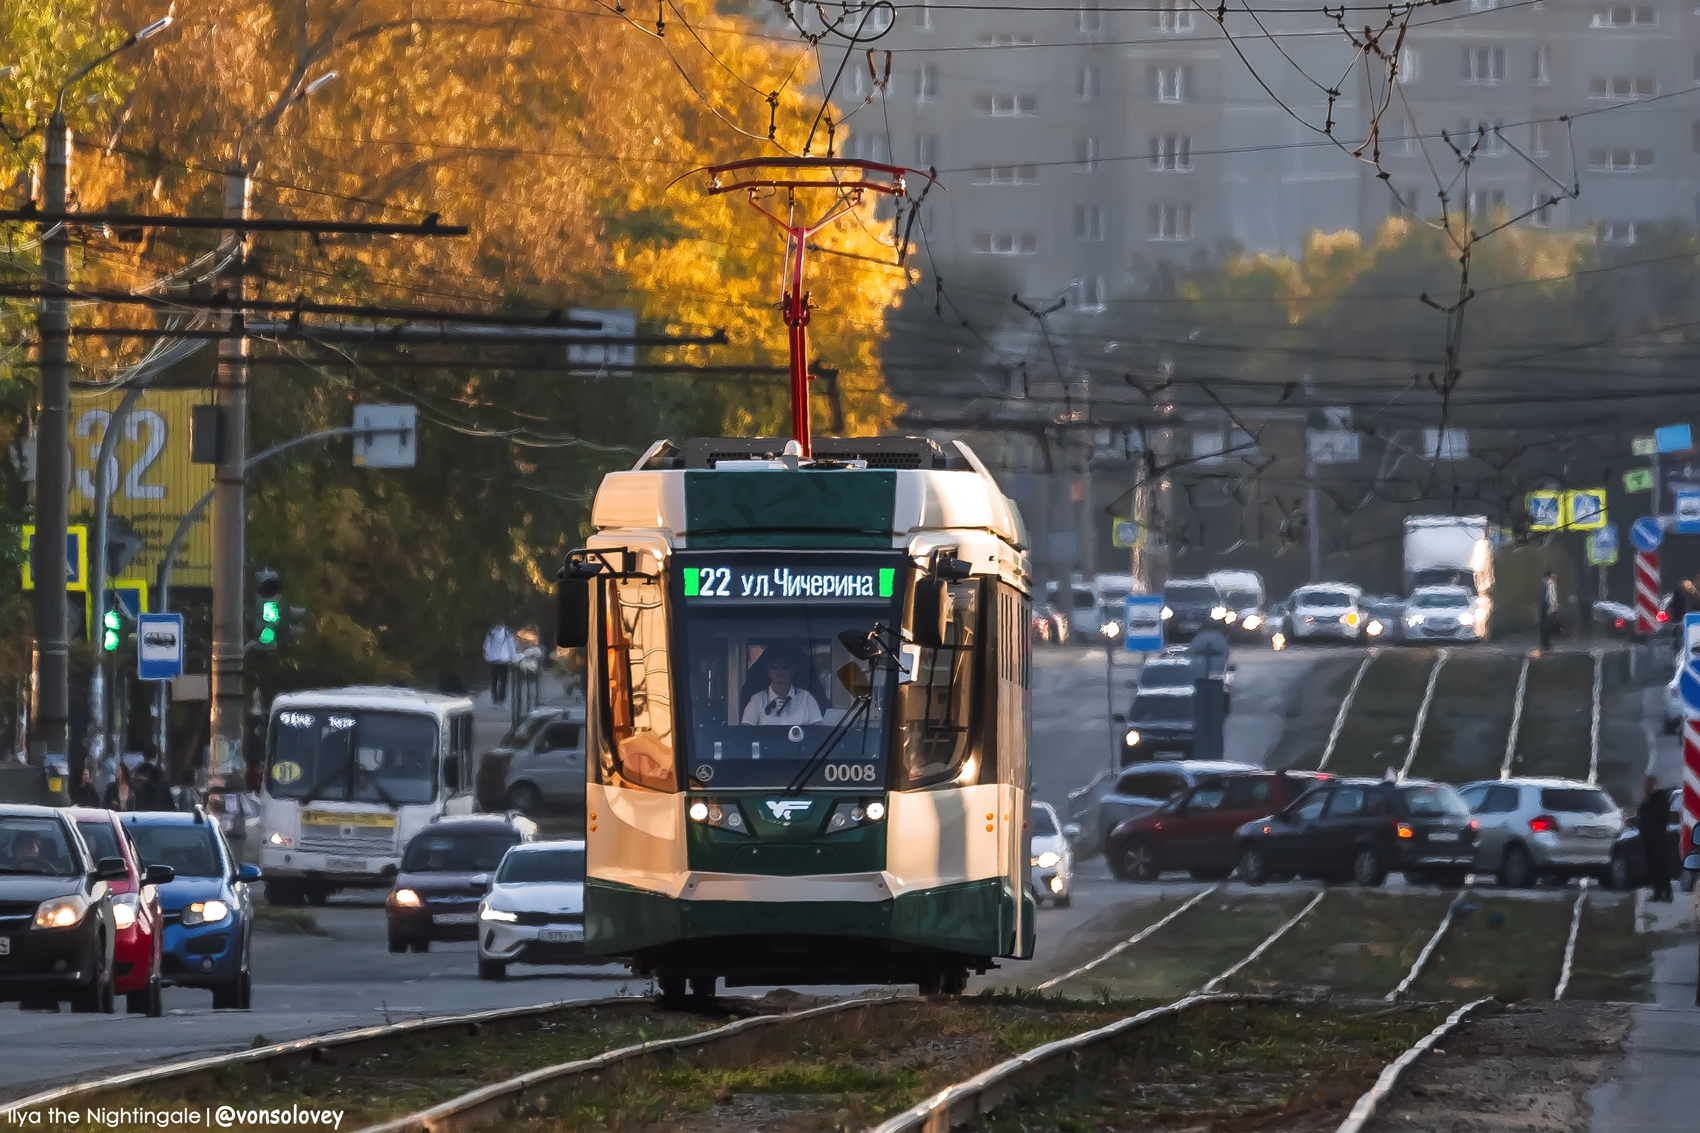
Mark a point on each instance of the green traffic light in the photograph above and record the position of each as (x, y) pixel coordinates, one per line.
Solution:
(268, 636)
(109, 634)
(271, 612)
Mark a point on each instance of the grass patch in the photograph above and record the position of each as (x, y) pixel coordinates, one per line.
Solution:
(1464, 735)
(1510, 947)
(1377, 730)
(1357, 943)
(1557, 718)
(1612, 960)
(1240, 1067)
(1312, 705)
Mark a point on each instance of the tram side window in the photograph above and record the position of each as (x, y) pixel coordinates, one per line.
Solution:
(637, 705)
(935, 707)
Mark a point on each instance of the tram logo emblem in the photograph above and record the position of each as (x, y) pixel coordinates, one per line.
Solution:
(786, 809)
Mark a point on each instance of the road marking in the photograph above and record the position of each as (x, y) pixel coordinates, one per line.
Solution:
(1516, 719)
(1428, 949)
(1365, 1107)
(1130, 941)
(1422, 713)
(1594, 733)
(1262, 948)
(1345, 707)
(1570, 945)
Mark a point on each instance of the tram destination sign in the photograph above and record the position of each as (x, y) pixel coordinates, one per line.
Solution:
(746, 582)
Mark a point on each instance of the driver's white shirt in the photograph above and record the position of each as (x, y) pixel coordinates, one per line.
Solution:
(801, 709)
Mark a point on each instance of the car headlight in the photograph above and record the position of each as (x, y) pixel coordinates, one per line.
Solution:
(1277, 641)
(1252, 621)
(61, 912)
(486, 913)
(1219, 613)
(279, 840)
(205, 912)
(1167, 613)
(1047, 859)
(124, 909)
(1413, 619)
(1110, 629)
(1132, 737)
(1351, 618)
(407, 898)
(1373, 628)
(1466, 619)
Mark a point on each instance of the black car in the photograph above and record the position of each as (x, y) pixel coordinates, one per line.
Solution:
(1190, 606)
(1360, 829)
(1386, 615)
(445, 871)
(1158, 725)
(57, 928)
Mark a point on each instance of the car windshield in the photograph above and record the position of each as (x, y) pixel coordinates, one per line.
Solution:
(462, 851)
(1040, 821)
(1085, 600)
(1191, 594)
(352, 754)
(1576, 800)
(1161, 710)
(520, 734)
(1324, 599)
(1444, 576)
(1433, 800)
(36, 845)
(536, 867)
(102, 840)
(1438, 601)
(1240, 599)
(190, 848)
(1166, 674)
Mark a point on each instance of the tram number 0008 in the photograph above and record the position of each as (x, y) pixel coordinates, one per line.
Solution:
(850, 773)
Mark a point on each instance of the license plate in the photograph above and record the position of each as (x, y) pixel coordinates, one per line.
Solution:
(5, 946)
(1442, 837)
(347, 865)
(561, 935)
(455, 918)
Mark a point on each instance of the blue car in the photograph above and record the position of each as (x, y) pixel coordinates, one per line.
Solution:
(208, 908)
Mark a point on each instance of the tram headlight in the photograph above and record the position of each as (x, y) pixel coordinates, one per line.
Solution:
(851, 813)
(718, 814)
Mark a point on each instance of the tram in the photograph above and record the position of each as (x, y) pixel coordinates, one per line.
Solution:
(809, 715)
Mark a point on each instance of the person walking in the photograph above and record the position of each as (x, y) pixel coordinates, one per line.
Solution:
(1546, 608)
(185, 796)
(1651, 819)
(1683, 601)
(84, 793)
(119, 795)
(499, 650)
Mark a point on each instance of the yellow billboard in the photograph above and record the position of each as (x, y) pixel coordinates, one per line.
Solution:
(152, 481)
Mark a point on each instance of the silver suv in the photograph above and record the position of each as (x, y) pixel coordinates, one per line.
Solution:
(1534, 828)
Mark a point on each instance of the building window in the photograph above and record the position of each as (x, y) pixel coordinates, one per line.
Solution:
(1170, 222)
(1173, 16)
(1006, 105)
(1089, 294)
(1492, 143)
(1410, 66)
(1394, 136)
(861, 83)
(1002, 39)
(1623, 16)
(1090, 19)
(1539, 145)
(927, 151)
(1171, 84)
(1484, 201)
(1620, 160)
(927, 83)
(1088, 222)
(867, 147)
(1170, 153)
(1617, 232)
(1005, 243)
(876, 20)
(924, 15)
(1484, 65)
(1543, 66)
(1086, 155)
(1542, 206)
(1622, 86)
(1088, 82)
(1007, 175)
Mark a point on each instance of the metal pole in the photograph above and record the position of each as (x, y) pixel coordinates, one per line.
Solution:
(1313, 500)
(98, 717)
(797, 322)
(230, 513)
(50, 715)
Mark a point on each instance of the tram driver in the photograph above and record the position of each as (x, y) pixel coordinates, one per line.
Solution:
(780, 701)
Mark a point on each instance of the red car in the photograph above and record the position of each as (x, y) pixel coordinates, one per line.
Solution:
(1195, 829)
(135, 908)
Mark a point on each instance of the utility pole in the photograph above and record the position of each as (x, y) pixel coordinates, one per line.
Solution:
(230, 501)
(1313, 500)
(50, 715)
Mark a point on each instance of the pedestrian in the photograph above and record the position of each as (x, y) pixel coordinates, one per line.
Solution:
(151, 789)
(1546, 608)
(1683, 601)
(119, 795)
(84, 793)
(499, 650)
(1651, 819)
(185, 795)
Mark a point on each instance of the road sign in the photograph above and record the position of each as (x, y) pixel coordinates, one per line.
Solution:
(1674, 438)
(1602, 546)
(1690, 637)
(1638, 480)
(397, 446)
(1209, 654)
(1688, 684)
(159, 646)
(76, 557)
(1643, 446)
(1124, 533)
(1585, 509)
(1687, 509)
(1546, 511)
(1646, 534)
(1143, 623)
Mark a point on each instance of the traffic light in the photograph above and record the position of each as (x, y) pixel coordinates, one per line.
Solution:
(111, 627)
(268, 608)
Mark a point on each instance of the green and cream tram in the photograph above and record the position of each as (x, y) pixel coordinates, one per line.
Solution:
(809, 724)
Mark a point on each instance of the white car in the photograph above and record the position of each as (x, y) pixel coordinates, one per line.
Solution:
(1327, 610)
(533, 911)
(1445, 613)
(1053, 857)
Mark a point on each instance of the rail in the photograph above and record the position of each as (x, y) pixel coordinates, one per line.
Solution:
(1422, 711)
(1421, 961)
(1516, 719)
(1118, 949)
(1345, 707)
(1366, 1105)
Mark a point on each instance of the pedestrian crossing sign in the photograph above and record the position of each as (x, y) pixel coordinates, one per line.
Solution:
(1546, 511)
(1585, 509)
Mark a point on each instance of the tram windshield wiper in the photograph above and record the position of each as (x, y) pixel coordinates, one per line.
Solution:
(839, 731)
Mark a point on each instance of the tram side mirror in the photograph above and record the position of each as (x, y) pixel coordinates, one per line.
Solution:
(932, 607)
(860, 644)
(572, 604)
(951, 568)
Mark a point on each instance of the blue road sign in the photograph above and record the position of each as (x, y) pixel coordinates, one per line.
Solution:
(1605, 539)
(1544, 511)
(1673, 438)
(1690, 637)
(1687, 509)
(1143, 623)
(159, 646)
(1646, 534)
(1688, 684)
